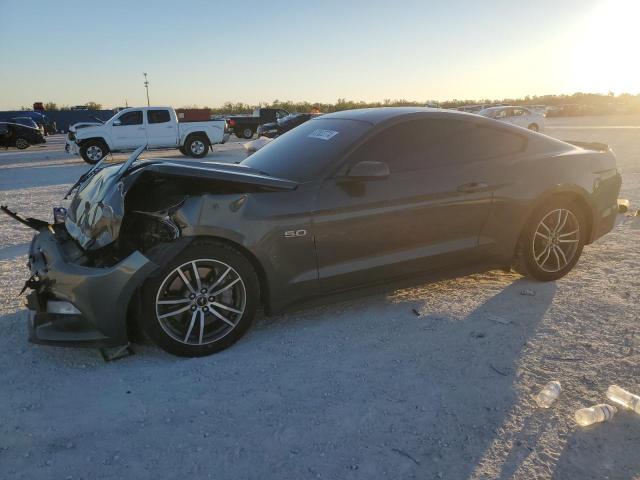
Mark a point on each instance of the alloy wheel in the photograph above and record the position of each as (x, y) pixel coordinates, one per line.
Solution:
(556, 240)
(94, 153)
(21, 144)
(200, 302)
(197, 147)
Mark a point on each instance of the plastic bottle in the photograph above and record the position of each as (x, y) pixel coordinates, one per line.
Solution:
(625, 399)
(548, 394)
(598, 413)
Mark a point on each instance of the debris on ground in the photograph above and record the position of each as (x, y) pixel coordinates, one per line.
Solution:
(415, 312)
(528, 292)
(499, 319)
(623, 205)
(624, 398)
(548, 394)
(598, 413)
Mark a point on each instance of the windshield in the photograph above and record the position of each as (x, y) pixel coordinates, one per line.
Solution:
(303, 153)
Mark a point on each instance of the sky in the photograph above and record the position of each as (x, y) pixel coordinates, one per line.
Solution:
(209, 52)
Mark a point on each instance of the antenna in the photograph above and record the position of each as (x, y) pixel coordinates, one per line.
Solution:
(146, 85)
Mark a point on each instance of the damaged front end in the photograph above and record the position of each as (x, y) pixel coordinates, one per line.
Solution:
(87, 265)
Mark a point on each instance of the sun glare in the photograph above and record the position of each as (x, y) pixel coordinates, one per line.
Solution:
(606, 50)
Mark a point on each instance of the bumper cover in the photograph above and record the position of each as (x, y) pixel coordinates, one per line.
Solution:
(102, 295)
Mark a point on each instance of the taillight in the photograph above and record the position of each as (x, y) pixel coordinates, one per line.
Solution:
(231, 123)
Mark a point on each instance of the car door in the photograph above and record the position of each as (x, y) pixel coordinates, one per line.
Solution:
(427, 215)
(161, 130)
(520, 117)
(129, 131)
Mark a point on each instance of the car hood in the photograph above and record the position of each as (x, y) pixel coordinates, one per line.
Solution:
(96, 212)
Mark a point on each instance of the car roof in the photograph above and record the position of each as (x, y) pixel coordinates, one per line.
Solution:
(375, 116)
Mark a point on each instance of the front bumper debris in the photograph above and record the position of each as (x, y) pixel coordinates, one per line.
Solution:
(101, 296)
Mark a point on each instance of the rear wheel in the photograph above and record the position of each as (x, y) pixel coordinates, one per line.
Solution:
(197, 146)
(534, 127)
(93, 151)
(247, 133)
(202, 301)
(552, 241)
(22, 143)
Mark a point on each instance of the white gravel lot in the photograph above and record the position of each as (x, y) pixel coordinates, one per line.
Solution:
(364, 389)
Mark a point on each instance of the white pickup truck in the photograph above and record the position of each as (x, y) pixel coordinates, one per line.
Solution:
(156, 127)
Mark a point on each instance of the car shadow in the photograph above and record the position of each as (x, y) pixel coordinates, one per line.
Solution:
(359, 389)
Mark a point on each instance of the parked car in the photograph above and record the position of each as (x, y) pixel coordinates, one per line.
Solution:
(347, 200)
(26, 121)
(19, 135)
(520, 116)
(283, 125)
(156, 127)
(247, 126)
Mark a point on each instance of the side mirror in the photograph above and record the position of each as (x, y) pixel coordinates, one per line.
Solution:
(117, 123)
(367, 170)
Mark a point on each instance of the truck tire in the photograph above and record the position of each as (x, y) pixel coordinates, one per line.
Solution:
(247, 133)
(93, 151)
(183, 151)
(197, 146)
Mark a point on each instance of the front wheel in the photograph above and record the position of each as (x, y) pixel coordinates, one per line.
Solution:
(93, 151)
(22, 143)
(197, 146)
(552, 241)
(202, 301)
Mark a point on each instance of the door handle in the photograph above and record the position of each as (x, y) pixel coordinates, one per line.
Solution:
(472, 187)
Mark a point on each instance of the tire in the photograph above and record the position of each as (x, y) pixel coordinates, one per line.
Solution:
(183, 151)
(197, 146)
(21, 143)
(93, 151)
(534, 127)
(548, 252)
(247, 133)
(176, 327)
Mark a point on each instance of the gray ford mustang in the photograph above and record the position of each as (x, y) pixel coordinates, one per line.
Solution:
(187, 251)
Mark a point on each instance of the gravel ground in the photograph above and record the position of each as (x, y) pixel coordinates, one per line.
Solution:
(356, 390)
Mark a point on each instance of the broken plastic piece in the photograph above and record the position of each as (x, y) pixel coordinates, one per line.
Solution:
(548, 394)
(624, 398)
(598, 413)
(116, 353)
(623, 205)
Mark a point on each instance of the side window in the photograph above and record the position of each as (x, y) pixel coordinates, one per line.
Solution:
(131, 118)
(502, 113)
(518, 112)
(420, 144)
(158, 116)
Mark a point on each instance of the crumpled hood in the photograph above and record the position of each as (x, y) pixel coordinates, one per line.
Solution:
(95, 214)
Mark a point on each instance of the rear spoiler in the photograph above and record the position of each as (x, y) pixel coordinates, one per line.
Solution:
(598, 147)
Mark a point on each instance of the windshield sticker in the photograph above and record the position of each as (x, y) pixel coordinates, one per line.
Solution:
(323, 134)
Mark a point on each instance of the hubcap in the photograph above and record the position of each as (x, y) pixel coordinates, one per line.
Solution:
(94, 153)
(200, 302)
(197, 147)
(248, 133)
(21, 143)
(556, 240)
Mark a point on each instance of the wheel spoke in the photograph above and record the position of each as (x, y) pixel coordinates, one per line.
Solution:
(568, 241)
(226, 307)
(197, 276)
(564, 257)
(542, 224)
(174, 302)
(172, 314)
(568, 234)
(185, 280)
(201, 327)
(542, 253)
(564, 222)
(220, 278)
(191, 323)
(546, 237)
(226, 287)
(557, 258)
(223, 318)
